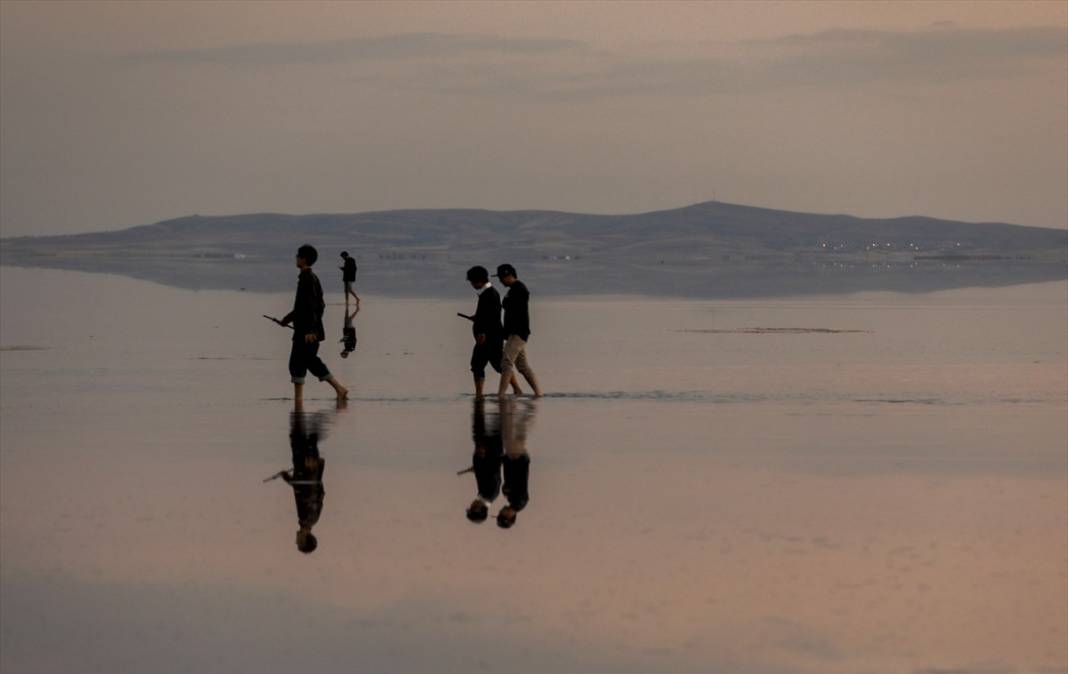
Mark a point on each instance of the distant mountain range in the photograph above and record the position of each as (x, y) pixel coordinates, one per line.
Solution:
(711, 249)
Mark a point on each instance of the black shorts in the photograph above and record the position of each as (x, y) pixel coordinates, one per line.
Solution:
(304, 358)
(481, 354)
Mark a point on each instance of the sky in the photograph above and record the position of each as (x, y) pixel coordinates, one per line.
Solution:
(119, 114)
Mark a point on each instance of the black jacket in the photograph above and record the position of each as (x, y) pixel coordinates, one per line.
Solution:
(308, 307)
(516, 311)
(348, 272)
(488, 315)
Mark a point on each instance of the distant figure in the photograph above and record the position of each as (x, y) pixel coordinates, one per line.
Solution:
(486, 329)
(348, 332)
(306, 477)
(485, 461)
(516, 331)
(348, 277)
(307, 320)
(515, 464)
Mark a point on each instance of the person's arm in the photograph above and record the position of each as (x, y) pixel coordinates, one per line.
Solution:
(524, 304)
(298, 303)
(288, 318)
(480, 325)
(303, 315)
(314, 306)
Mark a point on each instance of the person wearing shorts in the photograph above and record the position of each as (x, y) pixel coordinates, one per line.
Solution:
(307, 320)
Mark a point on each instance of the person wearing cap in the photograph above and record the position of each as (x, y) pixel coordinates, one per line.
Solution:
(308, 332)
(516, 331)
(348, 277)
(486, 329)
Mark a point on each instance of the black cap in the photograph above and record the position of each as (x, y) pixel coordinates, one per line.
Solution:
(344, 253)
(505, 270)
(477, 273)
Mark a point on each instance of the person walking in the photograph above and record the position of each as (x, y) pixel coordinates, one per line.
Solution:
(516, 331)
(308, 332)
(486, 329)
(348, 277)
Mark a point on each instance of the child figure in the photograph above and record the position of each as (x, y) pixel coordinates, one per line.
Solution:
(307, 320)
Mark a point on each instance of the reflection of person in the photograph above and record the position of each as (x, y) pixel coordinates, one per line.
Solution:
(348, 277)
(485, 461)
(307, 320)
(515, 464)
(516, 331)
(348, 332)
(486, 329)
(306, 477)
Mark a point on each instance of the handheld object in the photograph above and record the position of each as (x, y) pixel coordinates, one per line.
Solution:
(275, 320)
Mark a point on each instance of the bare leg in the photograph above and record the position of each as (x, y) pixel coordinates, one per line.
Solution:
(528, 374)
(341, 391)
(507, 369)
(298, 395)
(533, 381)
(478, 386)
(515, 385)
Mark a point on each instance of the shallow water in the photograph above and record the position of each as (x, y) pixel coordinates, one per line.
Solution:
(863, 483)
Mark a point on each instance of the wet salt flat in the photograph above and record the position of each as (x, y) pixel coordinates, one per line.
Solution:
(864, 483)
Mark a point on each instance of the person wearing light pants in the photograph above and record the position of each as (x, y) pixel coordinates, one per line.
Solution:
(516, 330)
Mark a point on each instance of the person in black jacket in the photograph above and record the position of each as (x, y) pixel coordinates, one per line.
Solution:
(516, 331)
(486, 329)
(307, 320)
(348, 277)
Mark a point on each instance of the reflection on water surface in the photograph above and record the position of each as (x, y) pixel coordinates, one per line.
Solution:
(891, 500)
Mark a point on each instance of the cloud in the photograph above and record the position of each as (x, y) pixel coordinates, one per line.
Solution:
(384, 48)
(562, 70)
(930, 55)
(837, 58)
(827, 59)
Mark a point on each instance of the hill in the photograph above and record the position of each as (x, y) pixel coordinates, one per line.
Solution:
(710, 249)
